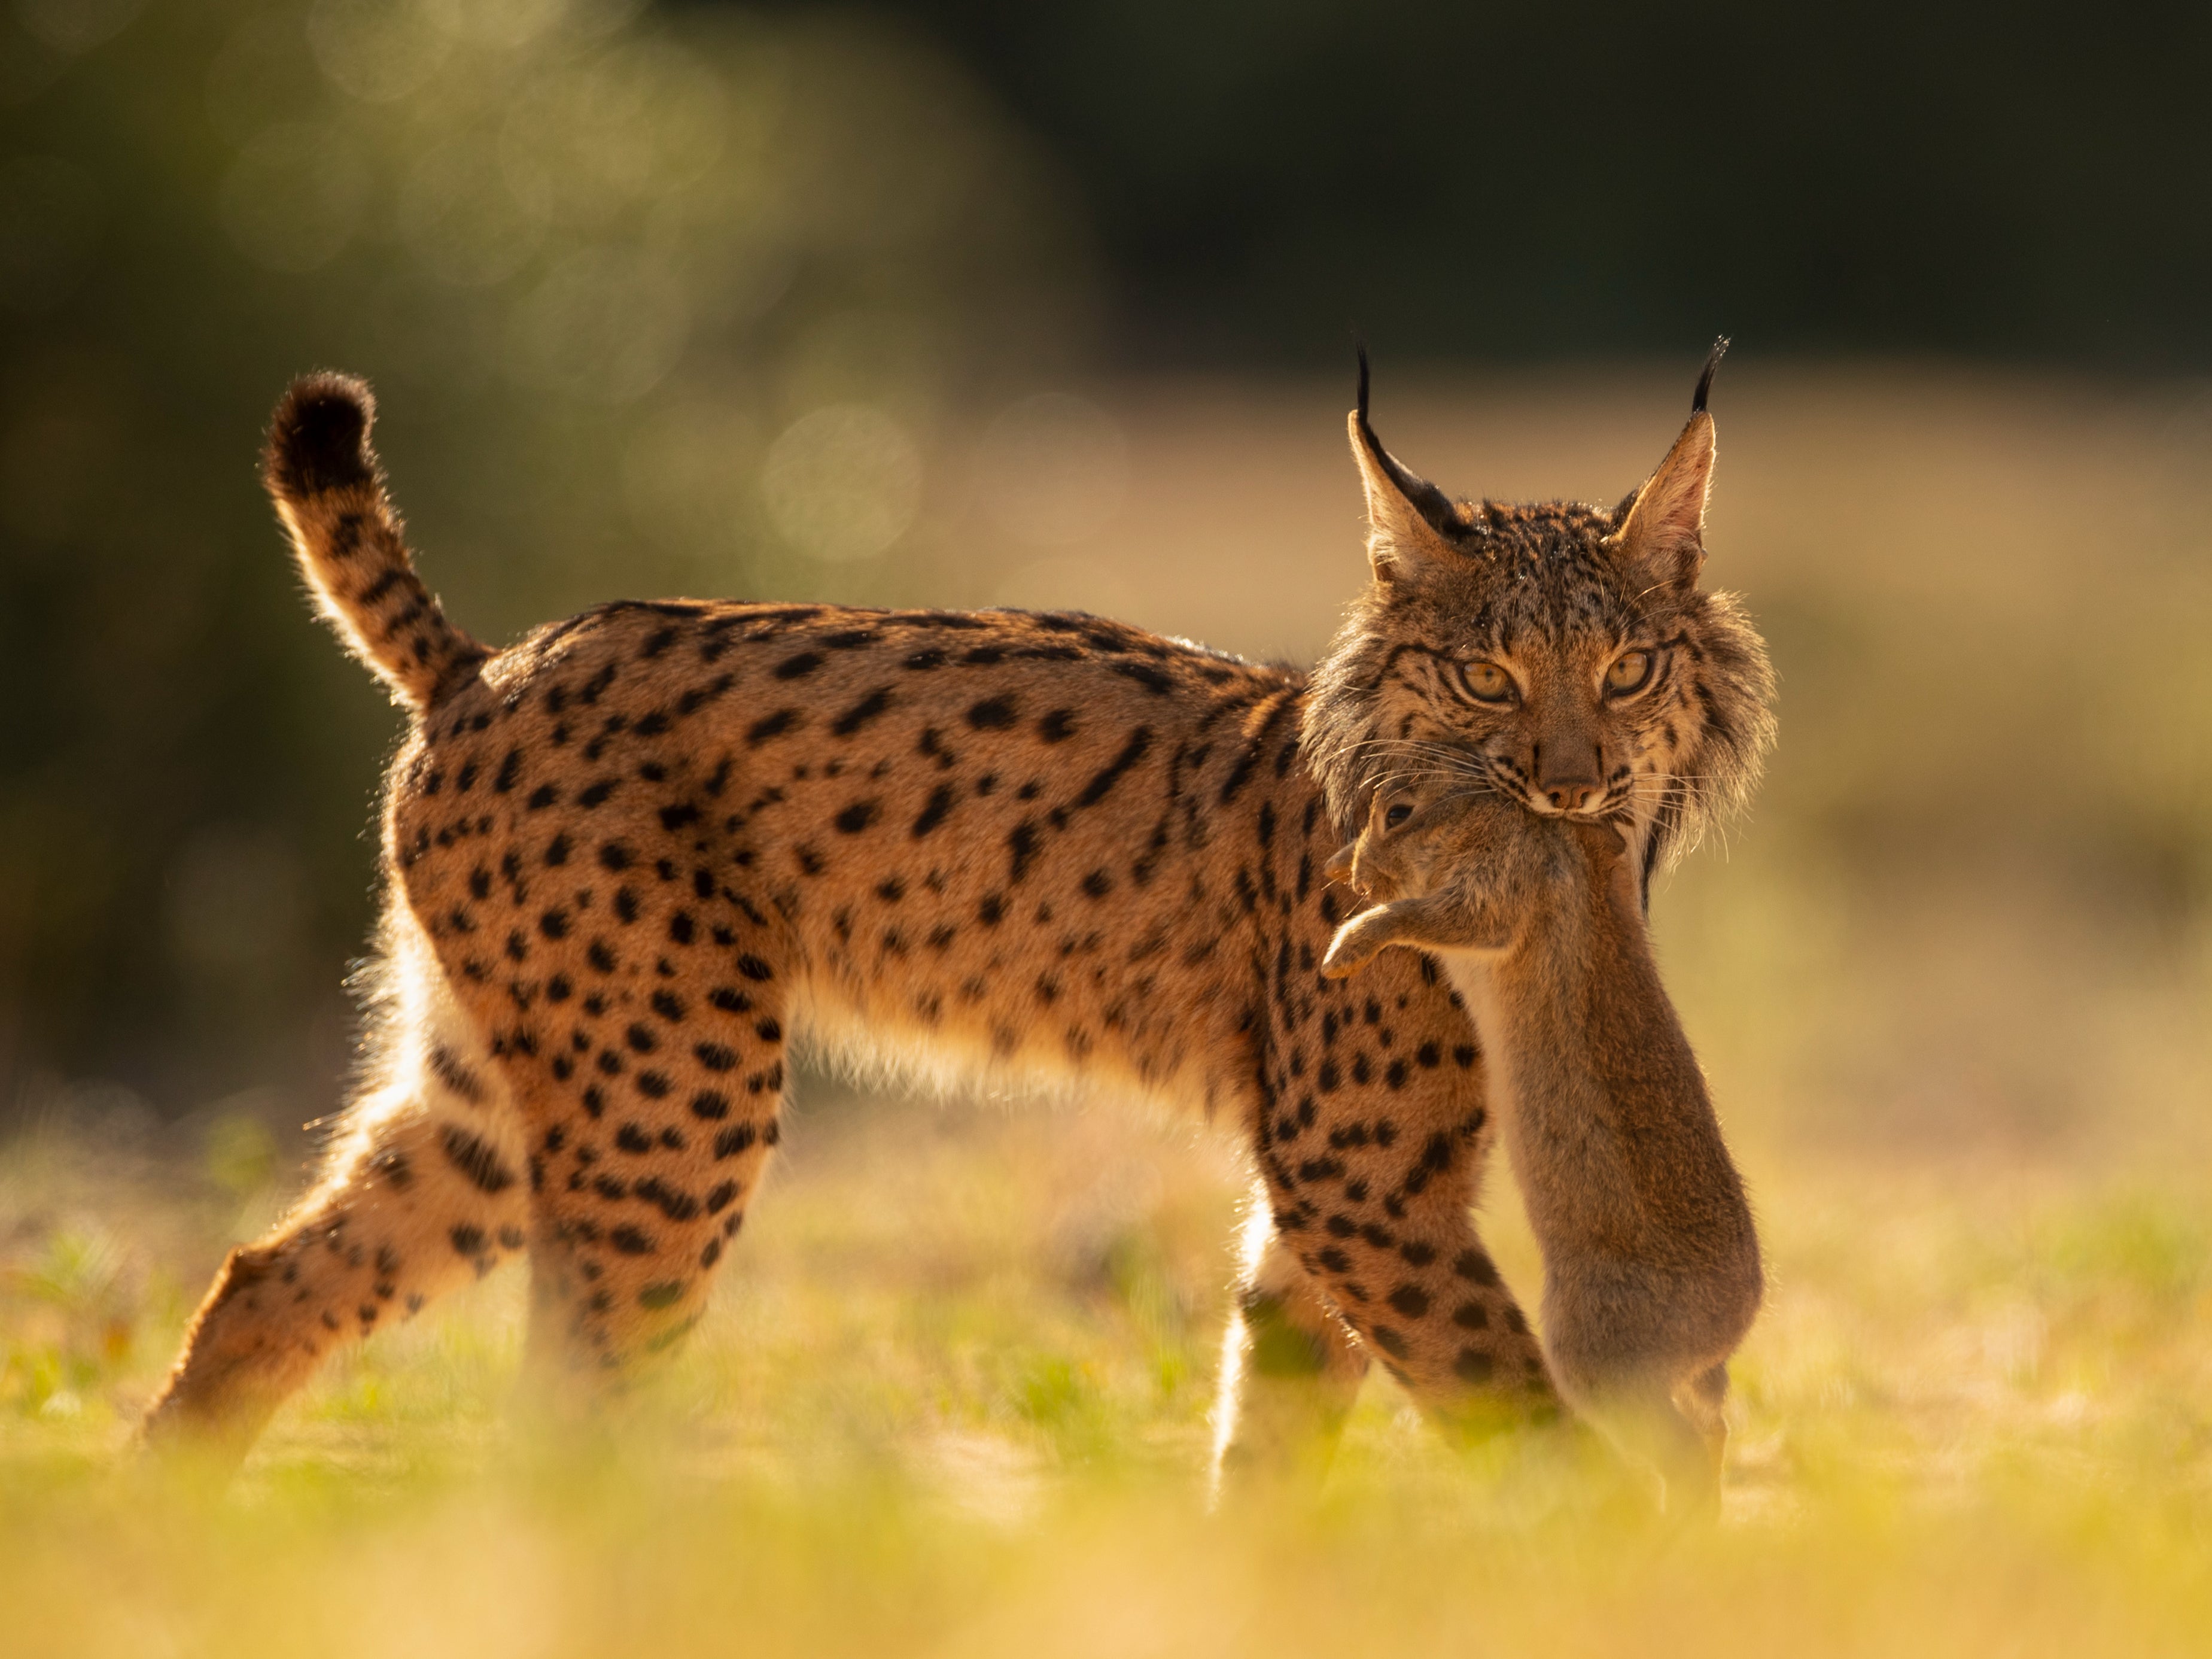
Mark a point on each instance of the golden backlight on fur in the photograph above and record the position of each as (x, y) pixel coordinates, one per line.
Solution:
(632, 857)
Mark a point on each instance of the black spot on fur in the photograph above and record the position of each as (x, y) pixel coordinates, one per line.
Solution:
(1475, 1267)
(862, 712)
(772, 725)
(1151, 679)
(1023, 844)
(933, 813)
(475, 1160)
(1140, 742)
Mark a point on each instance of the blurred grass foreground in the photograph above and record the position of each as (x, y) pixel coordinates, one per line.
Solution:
(717, 303)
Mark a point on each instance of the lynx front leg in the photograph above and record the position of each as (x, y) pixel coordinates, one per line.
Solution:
(426, 1193)
(1377, 1208)
(1289, 1367)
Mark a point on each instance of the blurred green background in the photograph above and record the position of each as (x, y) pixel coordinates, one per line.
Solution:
(957, 301)
(964, 303)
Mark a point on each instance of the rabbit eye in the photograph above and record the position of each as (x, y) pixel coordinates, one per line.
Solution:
(1396, 815)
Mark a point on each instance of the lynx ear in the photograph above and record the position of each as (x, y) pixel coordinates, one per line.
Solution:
(1662, 533)
(1406, 515)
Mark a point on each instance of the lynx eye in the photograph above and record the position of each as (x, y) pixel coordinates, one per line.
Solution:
(1486, 683)
(1396, 815)
(1628, 673)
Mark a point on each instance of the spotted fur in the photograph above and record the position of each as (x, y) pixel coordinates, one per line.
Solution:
(633, 856)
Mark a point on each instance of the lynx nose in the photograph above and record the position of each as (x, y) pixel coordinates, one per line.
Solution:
(1565, 784)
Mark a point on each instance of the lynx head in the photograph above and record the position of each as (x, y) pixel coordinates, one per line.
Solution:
(1561, 655)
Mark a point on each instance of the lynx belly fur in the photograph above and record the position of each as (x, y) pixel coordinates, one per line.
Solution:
(633, 856)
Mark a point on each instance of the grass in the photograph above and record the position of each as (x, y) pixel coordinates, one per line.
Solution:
(953, 1400)
(1951, 985)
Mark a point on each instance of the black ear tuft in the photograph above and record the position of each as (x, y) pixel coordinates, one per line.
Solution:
(318, 438)
(1432, 503)
(1705, 380)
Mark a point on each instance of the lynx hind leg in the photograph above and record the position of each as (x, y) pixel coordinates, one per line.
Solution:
(424, 1191)
(642, 1181)
(1290, 1369)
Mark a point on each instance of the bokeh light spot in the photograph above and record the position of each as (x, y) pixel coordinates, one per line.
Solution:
(75, 26)
(294, 198)
(376, 50)
(49, 215)
(460, 219)
(606, 324)
(842, 483)
(1053, 469)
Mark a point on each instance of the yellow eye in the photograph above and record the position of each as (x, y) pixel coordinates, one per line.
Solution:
(1628, 673)
(1487, 682)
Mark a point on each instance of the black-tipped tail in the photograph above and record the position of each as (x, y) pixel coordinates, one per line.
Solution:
(318, 438)
(329, 492)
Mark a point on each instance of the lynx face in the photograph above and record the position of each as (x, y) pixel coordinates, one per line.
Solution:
(1562, 655)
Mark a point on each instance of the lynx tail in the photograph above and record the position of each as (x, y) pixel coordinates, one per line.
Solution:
(329, 491)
